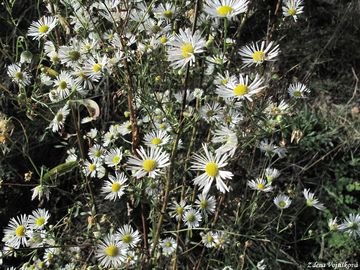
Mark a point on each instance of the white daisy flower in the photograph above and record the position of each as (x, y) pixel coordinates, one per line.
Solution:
(209, 239)
(96, 152)
(115, 186)
(94, 169)
(36, 238)
(227, 138)
(292, 8)
(333, 224)
(222, 79)
(64, 84)
(177, 209)
(233, 116)
(221, 240)
(95, 68)
(151, 162)
(269, 148)
(131, 257)
(192, 218)
(128, 236)
(211, 112)
(42, 27)
(40, 191)
(189, 96)
(156, 138)
(71, 55)
(276, 108)
(38, 219)
(183, 47)
(15, 235)
(125, 128)
(255, 54)
(166, 12)
(168, 246)
(298, 90)
(206, 203)
(351, 225)
(59, 120)
(282, 201)
(111, 252)
(260, 185)
(113, 157)
(240, 88)
(271, 174)
(225, 8)
(18, 76)
(211, 166)
(312, 201)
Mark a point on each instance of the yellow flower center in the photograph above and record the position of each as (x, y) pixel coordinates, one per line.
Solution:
(163, 39)
(74, 55)
(40, 221)
(115, 187)
(282, 204)
(260, 186)
(162, 126)
(62, 85)
(191, 217)
(203, 204)
(292, 11)
(127, 238)
(259, 56)
(97, 153)
(59, 117)
(240, 90)
(20, 231)
(112, 250)
(209, 238)
(180, 210)
(224, 81)
(116, 160)
(297, 93)
(149, 165)
(168, 14)
(97, 67)
(212, 169)
(309, 202)
(187, 50)
(19, 75)
(92, 167)
(168, 244)
(156, 141)
(43, 29)
(224, 10)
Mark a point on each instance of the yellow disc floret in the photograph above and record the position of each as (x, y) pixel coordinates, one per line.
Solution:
(224, 10)
(116, 159)
(92, 167)
(97, 67)
(20, 231)
(187, 50)
(112, 250)
(149, 165)
(40, 221)
(260, 186)
(212, 169)
(156, 141)
(115, 187)
(43, 29)
(292, 11)
(259, 56)
(168, 14)
(240, 90)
